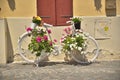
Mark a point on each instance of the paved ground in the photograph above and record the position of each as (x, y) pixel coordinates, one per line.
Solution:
(102, 70)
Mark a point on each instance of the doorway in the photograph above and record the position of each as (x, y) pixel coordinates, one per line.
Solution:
(55, 12)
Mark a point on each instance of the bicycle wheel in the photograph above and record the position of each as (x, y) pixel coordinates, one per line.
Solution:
(25, 53)
(91, 52)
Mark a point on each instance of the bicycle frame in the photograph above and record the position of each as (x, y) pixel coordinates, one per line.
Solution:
(57, 48)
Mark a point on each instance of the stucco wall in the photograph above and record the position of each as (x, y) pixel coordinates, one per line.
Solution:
(92, 7)
(118, 7)
(16, 26)
(3, 58)
(27, 8)
(110, 42)
(19, 16)
(17, 8)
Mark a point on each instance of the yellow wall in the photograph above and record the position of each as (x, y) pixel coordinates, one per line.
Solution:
(17, 8)
(19, 17)
(87, 8)
(118, 7)
(27, 8)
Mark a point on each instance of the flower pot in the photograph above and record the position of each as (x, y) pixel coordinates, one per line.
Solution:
(33, 25)
(77, 25)
(43, 57)
(76, 56)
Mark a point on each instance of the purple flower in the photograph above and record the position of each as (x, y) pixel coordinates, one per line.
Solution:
(38, 39)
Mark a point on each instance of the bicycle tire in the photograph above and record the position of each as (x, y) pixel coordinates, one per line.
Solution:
(24, 52)
(91, 53)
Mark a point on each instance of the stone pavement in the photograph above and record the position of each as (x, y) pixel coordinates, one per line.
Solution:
(102, 70)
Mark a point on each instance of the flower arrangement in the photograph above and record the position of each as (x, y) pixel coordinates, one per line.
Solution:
(73, 42)
(76, 19)
(39, 39)
(77, 22)
(37, 20)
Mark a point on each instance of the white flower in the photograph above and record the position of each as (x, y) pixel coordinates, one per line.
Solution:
(77, 35)
(85, 38)
(73, 38)
(74, 45)
(79, 48)
(68, 52)
(71, 45)
(71, 48)
(68, 42)
(81, 35)
(82, 52)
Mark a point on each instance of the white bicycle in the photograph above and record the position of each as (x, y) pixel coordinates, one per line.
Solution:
(91, 53)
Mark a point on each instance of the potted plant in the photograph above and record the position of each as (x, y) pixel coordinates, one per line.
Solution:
(74, 44)
(77, 22)
(37, 20)
(40, 43)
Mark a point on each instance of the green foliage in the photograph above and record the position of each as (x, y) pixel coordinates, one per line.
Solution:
(35, 46)
(37, 20)
(74, 42)
(76, 19)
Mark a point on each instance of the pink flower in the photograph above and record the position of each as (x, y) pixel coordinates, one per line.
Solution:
(29, 29)
(63, 34)
(45, 37)
(55, 40)
(50, 43)
(38, 39)
(69, 29)
(61, 40)
(65, 30)
(49, 31)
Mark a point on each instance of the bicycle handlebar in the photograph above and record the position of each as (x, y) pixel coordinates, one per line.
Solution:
(71, 22)
(47, 25)
(33, 25)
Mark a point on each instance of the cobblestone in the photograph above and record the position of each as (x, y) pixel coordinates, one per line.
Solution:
(102, 70)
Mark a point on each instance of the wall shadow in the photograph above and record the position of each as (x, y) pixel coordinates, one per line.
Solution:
(9, 46)
(12, 4)
(98, 5)
(110, 8)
